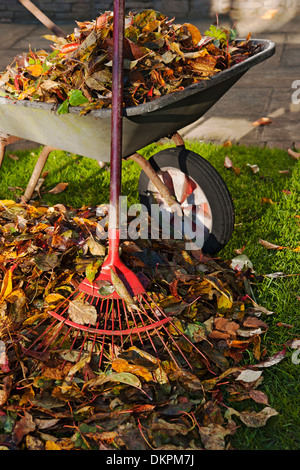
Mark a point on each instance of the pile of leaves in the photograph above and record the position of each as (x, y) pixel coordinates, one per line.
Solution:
(59, 399)
(161, 57)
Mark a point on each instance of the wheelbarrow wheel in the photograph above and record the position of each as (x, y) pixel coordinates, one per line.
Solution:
(208, 212)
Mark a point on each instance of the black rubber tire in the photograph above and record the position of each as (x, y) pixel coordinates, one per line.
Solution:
(211, 183)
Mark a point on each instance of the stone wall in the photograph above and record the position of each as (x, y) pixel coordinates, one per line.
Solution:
(64, 11)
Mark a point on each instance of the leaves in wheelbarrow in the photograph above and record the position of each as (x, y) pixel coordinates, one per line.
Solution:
(160, 57)
(142, 396)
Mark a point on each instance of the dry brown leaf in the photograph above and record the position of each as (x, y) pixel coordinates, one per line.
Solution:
(270, 246)
(228, 163)
(293, 154)
(269, 14)
(82, 312)
(264, 121)
(266, 200)
(59, 188)
(213, 436)
(271, 361)
(254, 168)
(253, 419)
(226, 326)
(259, 397)
(249, 375)
(254, 322)
(23, 427)
(95, 248)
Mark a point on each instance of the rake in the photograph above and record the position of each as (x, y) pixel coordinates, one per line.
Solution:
(127, 316)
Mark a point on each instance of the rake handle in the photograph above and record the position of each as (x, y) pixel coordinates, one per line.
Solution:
(117, 111)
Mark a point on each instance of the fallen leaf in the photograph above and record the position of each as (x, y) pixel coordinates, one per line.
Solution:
(293, 154)
(59, 188)
(120, 365)
(23, 427)
(264, 121)
(213, 436)
(33, 443)
(249, 375)
(271, 361)
(285, 325)
(95, 248)
(270, 246)
(248, 333)
(269, 14)
(241, 262)
(121, 289)
(4, 364)
(228, 164)
(259, 396)
(120, 377)
(82, 312)
(51, 445)
(6, 286)
(13, 156)
(171, 429)
(254, 168)
(266, 200)
(252, 419)
(254, 322)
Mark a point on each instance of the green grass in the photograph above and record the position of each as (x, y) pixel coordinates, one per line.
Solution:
(255, 220)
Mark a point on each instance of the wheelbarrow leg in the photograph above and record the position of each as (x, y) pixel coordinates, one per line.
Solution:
(6, 139)
(37, 172)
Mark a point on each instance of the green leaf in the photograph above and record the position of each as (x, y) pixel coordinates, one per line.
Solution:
(216, 33)
(76, 98)
(64, 107)
(232, 34)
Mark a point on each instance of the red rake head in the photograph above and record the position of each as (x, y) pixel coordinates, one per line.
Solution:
(113, 265)
(100, 323)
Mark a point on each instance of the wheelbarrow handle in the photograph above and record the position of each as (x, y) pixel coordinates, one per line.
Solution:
(42, 18)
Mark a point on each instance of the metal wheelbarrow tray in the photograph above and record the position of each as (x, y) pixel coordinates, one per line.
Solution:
(174, 174)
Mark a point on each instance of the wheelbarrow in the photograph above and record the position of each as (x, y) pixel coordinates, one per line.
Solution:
(173, 174)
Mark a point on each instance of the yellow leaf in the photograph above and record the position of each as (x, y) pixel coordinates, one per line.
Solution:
(224, 303)
(6, 203)
(53, 298)
(29, 321)
(36, 70)
(50, 445)
(120, 365)
(27, 395)
(266, 200)
(194, 32)
(6, 287)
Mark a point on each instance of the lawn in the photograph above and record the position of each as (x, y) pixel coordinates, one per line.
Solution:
(267, 207)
